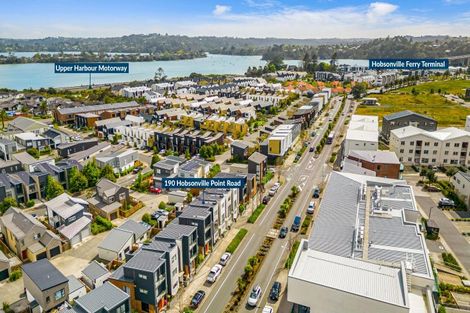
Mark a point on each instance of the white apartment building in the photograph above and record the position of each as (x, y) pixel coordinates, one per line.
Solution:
(135, 136)
(362, 134)
(443, 147)
(134, 92)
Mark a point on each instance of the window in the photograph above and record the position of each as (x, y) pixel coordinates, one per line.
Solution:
(426, 143)
(402, 150)
(447, 144)
(121, 309)
(425, 160)
(446, 161)
(59, 294)
(446, 152)
(436, 144)
(126, 289)
(455, 153)
(412, 143)
(48, 299)
(402, 143)
(410, 151)
(433, 160)
(456, 145)
(409, 159)
(434, 152)
(143, 291)
(142, 276)
(426, 151)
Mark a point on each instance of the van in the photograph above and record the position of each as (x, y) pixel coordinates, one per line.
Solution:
(296, 224)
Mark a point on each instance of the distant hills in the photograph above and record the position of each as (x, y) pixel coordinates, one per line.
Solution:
(359, 48)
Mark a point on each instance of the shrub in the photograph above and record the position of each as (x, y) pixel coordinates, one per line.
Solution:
(162, 205)
(100, 224)
(292, 253)
(15, 275)
(30, 203)
(256, 213)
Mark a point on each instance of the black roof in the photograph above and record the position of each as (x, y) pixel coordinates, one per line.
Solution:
(403, 114)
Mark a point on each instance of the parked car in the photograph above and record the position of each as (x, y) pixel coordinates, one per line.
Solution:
(155, 190)
(197, 298)
(316, 192)
(275, 291)
(446, 203)
(314, 134)
(266, 199)
(432, 188)
(312, 149)
(283, 232)
(296, 224)
(274, 189)
(311, 207)
(268, 309)
(224, 258)
(255, 295)
(214, 273)
(137, 169)
(297, 158)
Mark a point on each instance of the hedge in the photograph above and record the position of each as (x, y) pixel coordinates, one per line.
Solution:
(256, 213)
(236, 240)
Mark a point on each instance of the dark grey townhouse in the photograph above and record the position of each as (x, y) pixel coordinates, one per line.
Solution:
(406, 118)
(66, 149)
(185, 237)
(144, 278)
(104, 299)
(7, 148)
(202, 219)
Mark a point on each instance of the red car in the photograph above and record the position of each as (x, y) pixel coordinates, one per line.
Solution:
(155, 190)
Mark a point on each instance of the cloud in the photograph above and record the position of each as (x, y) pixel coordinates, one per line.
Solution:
(221, 9)
(262, 4)
(377, 10)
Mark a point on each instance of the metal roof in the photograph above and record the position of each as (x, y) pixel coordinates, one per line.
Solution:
(405, 113)
(74, 283)
(116, 239)
(44, 274)
(94, 270)
(138, 229)
(105, 297)
(146, 260)
(99, 107)
(176, 231)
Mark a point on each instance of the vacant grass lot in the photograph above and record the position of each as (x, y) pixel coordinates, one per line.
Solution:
(447, 113)
(455, 87)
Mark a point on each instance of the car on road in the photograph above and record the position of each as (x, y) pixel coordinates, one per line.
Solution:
(224, 258)
(255, 295)
(283, 232)
(197, 298)
(296, 224)
(316, 192)
(275, 291)
(274, 189)
(311, 207)
(297, 158)
(214, 273)
(313, 134)
(155, 190)
(268, 309)
(446, 203)
(312, 149)
(266, 199)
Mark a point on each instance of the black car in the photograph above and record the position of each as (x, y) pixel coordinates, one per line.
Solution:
(311, 149)
(283, 232)
(275, 291)
(197, 298)
(266, 199)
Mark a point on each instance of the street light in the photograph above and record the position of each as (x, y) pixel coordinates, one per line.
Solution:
(430, 212)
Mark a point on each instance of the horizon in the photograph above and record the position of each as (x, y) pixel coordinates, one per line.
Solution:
(318, 19)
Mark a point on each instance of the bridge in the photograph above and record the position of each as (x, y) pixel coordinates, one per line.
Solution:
(459, 60)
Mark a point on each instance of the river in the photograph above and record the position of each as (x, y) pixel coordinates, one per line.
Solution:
(37, 75)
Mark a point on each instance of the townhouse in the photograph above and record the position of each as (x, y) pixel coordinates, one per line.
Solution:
(109, 199)
(443, 147)
(118, 157)
(135, 136)
(66, 149)
(281, 140)
(27, 237)
(105, 299)
(32, 140)
(372, 163)
(362, 134)
(406, 118)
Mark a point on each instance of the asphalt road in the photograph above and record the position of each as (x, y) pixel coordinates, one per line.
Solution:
(460, 247)
(304, 174)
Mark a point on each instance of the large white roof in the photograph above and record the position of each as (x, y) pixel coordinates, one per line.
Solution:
(441, 134)
(354, 276)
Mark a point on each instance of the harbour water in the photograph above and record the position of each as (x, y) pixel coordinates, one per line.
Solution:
(37, 75)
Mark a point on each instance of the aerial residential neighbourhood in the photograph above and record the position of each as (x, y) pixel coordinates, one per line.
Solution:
(242, 156)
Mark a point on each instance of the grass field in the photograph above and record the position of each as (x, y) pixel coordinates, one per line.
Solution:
(447, 113)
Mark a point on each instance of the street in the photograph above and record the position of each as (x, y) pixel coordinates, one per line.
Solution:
(305, 174)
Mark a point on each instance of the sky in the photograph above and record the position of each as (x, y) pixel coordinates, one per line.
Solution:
(243, 18)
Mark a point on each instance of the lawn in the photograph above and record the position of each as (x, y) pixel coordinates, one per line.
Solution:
(236, 241)
(446, 113)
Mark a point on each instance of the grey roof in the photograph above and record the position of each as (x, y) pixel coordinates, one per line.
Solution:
(391, 237)
(195, 212)
(385, 157)
(94, 270)
(44, 274)
(464, 175)
(25, 158)
(88, 152)
(75, 143)
(105, 297)
(175, 231)
(239, 144)
(107, 121)
(146, 260)
(74, 283)
(26, 124)
(257, 157)
(116, 240)
(19, 222)
(404, 114)
(160, 246)
(99, 107)
(138, 229)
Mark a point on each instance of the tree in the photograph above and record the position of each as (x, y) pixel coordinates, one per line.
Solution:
(431, 176)
(33, 152)
(77, 181)
(189, 197)
(108, 172)
(53, 188)
(159, 75)
(155, 158)
(451, 171)
(3, 116)
(358, 90)
(92, 172)
(7, 203)
(187, 154)
(162, 205)
(43, 107)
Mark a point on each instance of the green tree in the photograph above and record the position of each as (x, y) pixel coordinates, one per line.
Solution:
(451, 171)
(431, 176)
(33, 152)
(7, 203)
(3, 116)
(77, 181)
(43, 108)
(92, 173)
(108, 173)
(162, 205)
(358, 90)
(155, 158)
(53, 188)
(187, 154)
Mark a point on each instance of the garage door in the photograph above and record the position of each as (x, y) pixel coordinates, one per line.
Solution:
(75, 240)
(55, 251)
(113, 216)
(41, 256)
(3, 274)
(85, 233)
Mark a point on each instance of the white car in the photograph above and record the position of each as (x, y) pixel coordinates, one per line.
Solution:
(268, 309)
(224, 258)
(255, 295)
(311, 207)
(274, 189)
(214, 273)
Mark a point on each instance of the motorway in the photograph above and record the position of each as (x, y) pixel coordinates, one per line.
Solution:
(305, 174)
